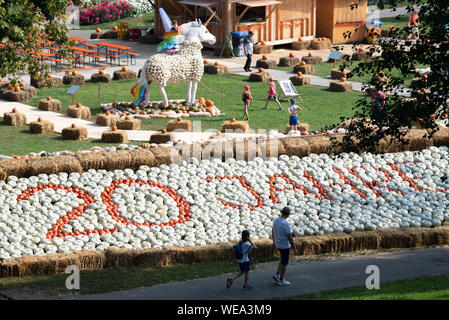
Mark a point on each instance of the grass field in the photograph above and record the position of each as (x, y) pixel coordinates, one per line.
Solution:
(425, 288)
(399, 22)
(114, 279)
(323, 106)
(142, 22)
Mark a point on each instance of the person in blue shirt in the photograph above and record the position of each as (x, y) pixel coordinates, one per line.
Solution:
(244, 264)
(282, 240)
(248, 45)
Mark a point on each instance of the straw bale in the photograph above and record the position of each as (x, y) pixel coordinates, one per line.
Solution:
(80, 113)
(131, 124)
(220, 150)
(14, 167)
(107, 120)
(42, 82)
(71, 79)
(301, 45)
(95, 35)
(307, 69)
(271, 148)
(45, 165)
(319, 144)
(259, 76)
(360, 56)
(339, 86)
(118, 160)
(43, 127)
(266, 64)
(296, 146)
(110, 34)
(50, 105)
(213, 69)
(160, 137)
(418, 140)
(237, 126)
(184, 125)
(321, 45)
(337, 74)
(124, 75)
(96, 77)
(302, 126)
(262, 49)
(14, 119)
(91, 160)
(30, 90)
(441, 137)
(142, 157)
(118, 136)
(165, 155)
(300, 81)
(246, 150)
(78, 133)
(2, 175)
(67, 164)
(289, 61)
(312, 60)
(11, 95)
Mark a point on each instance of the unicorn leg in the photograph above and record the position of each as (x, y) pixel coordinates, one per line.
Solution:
(189, 92)
(164, 95)
(193, 92)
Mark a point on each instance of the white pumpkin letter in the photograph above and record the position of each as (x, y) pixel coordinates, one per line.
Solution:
(373, 281)
(73, 281)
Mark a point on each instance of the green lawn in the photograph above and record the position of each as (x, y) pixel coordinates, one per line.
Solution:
(323, 107)
(398, 22)
(142, 22)
(19, 141)
(425, 288)
(114, 279)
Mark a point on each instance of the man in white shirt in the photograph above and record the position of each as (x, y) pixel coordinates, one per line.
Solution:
(248, 45)
(282, 240)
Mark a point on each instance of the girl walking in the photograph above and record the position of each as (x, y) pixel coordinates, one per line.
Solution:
(246, 98)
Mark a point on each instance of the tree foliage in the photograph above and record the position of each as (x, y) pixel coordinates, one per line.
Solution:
(26, 26)
(397, 57)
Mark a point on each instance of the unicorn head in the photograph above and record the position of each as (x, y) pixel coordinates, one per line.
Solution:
(196, 32)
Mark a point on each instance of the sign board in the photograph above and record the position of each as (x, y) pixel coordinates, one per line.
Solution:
(73, 89)
(288, 88)
(335, 55)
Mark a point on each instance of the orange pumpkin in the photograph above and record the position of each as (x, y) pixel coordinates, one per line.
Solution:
(179, 119)
(164, 131)
(424, 76)
(206, 62)
(391, 27)
(233, 120)
(127, 118)
(263, 42)
(217, 64)
(310, 54)
(343, 79)
(114, 28)
(432, 117)
(261, 70)
(98, 30)
(114, 128)
(48, 98)
(302, 63)
(101, 72)
(17, 89)
(22, 84)
(74, 73)
(78, 105)
(209, 103)
(108, 112)
(299, 39)
(14, 110)
(299, 74)
(73, 126)
(39, 119)
(124, 69)
(291, 55)
(38, 75)
(1, 79)
(264, 57)
(50, 76)
(361, 50)
(10, 87)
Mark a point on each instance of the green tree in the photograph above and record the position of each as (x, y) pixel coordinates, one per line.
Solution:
(25, 26)
(425, 103)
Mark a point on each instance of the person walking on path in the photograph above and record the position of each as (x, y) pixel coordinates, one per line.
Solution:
(246, 98)
(293, 110)
(413, 23)
(378, 104)
(272, 94)
(248, 45)
(246, 246)
(283, 241)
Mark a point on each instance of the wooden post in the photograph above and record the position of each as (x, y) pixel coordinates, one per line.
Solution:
(335, 64)
(73, 99)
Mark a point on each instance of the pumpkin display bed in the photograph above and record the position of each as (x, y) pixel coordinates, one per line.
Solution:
(215, 69)
(321, 44)
(259, 76)
(266, 64)
(289, 61)
(338, 74)
(304, 68)
(50, 104)
(42, 82)
(262, 49)
(100, 77)
(128, 123)
(180, 124)
(312, 59)
(114, 136)
(161, 137)
(301, 45)
(78, 111)
(124, 74)
(42, 127)
(14, 118)
(340, 86)
(74, 133)
(73, 79)
(303, 127)
(107, 119)
(235, 126)
(300, 80)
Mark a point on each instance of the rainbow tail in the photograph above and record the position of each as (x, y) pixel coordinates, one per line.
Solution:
(141, 95)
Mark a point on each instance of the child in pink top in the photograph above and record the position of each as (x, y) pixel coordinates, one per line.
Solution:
(272, 94)
(246, 98)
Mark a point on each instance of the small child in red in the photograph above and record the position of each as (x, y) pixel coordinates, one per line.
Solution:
(246, 98)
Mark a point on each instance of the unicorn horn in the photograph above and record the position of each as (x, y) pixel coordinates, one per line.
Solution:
(210, 18)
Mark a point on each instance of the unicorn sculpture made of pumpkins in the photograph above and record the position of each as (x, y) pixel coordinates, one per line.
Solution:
(184, 66)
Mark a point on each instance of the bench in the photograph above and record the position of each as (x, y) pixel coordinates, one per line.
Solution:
(131, 55)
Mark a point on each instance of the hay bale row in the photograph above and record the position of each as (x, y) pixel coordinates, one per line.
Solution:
(14, 119)
(307, 245)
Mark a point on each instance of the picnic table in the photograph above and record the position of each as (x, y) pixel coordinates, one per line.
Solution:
(77, 39)
(119, 48)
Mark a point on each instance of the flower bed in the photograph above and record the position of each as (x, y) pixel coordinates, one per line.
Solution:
(105, 12)
(211, 202)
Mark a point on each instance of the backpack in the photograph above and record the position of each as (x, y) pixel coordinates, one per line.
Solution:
(238, 253)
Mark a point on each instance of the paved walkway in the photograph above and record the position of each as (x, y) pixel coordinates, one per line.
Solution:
(305, 278)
